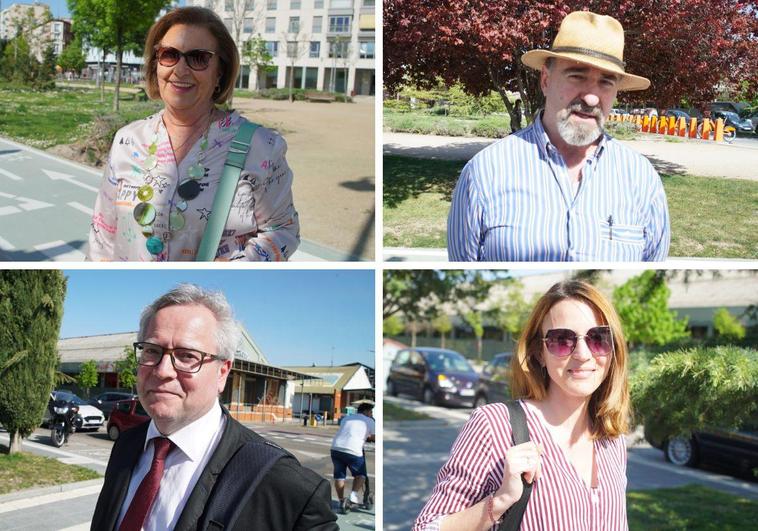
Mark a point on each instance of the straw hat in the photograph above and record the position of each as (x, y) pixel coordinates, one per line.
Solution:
(595, 40)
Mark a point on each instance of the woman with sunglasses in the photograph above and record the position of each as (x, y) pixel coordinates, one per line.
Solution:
(163, 172)
(570, 375)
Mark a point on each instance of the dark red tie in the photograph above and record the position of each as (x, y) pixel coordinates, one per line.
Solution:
(148, 489)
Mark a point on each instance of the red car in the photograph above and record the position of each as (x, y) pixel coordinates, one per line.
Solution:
(126, 414)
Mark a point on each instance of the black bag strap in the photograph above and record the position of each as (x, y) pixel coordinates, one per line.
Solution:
(512, 518)
(233, 488)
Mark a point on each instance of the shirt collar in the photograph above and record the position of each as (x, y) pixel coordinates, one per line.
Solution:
(546, 147)
(194, 438)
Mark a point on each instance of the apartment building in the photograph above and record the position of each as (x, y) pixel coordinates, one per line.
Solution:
(35, 23)
(322, 44)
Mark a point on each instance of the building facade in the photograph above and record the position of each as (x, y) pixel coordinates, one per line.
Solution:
(330, 390)
(316, 44)
(35, 23)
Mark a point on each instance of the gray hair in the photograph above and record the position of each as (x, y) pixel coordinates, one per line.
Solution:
(228, 333)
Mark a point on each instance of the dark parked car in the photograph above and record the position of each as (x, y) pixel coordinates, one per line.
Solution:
(678, 113)
(106, 401)
(751, 115)
(731, 118)
(434, 375)
(126, 414)
(495, 380)
(736, 450)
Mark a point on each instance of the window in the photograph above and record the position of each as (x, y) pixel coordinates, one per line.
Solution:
(317, 24)
(369, 3)
(228, 5)
(292, 49)
(271, 5)
(294, 4)
(341, 4)
(315, 49)
(248, 26)
(294, 25)
(272, 47)
(338, 49)
(318, 4)
(367, 49)
(228, 24)
(339, 24)
(270, 24)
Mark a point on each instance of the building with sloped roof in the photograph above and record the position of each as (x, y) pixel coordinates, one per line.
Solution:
(330, 390)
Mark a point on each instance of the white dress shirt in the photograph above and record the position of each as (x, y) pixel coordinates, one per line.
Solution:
(195, 444)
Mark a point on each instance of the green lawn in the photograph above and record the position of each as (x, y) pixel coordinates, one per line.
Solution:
(23, 471)
(421, 122)
(61, 116)
(393, 412)
(691, 508)
(417, 195)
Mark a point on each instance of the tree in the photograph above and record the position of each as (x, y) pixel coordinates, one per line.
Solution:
(72, 58)
(480, 44)
(689, 390)
(116, 24)
(256, 54)
(509, 308)
(475, 320)
(296, 49)
(443, 325)
(31, 309)
(727, 325)
(126, 368)
(642, 305)
(392, 326)
(88, 376)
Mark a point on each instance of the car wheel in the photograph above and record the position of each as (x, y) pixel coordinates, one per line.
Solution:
(480, 401)
(113, 432)
(391, 389)
(428, 396)
(681, 451)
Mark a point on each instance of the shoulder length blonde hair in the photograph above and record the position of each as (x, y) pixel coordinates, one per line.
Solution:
(609, 404)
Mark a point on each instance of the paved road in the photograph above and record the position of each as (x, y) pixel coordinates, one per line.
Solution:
(46, 205)
(414, 451)
(694, 157)
(71, 510)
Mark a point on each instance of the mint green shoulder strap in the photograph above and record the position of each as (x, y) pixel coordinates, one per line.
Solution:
(222, 203)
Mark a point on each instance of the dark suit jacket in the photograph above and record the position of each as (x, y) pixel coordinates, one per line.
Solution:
(289, 497)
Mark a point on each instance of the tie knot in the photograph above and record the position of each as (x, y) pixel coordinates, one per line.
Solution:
(162, 446)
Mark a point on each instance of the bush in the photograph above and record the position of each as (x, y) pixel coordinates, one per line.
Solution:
(688, 390)
(397, 105)
(621, 130)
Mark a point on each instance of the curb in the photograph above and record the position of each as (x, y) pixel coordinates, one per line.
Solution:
(34, 492)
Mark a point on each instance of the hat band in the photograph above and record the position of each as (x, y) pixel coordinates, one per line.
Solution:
(592, 53)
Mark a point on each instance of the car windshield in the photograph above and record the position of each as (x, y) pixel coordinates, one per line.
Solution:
(447, 361)
(732, 115)
(70, 397)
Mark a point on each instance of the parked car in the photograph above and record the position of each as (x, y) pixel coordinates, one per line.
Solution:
(678, 113)
(126, 414)
(88, 418)
(106, 401)
(736, 450)
(742, 125)
(434, 375)
(752, 115)
(494, 382)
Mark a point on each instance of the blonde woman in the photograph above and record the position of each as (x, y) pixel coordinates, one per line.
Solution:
(570, 376)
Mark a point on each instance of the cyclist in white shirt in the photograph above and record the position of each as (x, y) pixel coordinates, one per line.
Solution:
(347, 452)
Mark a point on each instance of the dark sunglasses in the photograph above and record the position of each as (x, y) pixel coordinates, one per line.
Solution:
(196, 59)
(561, 342)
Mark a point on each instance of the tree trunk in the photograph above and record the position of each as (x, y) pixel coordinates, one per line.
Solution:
(119, 56)
(442, 341)
(413, 336)
(479, 349)
(14, 445)
(101, 78)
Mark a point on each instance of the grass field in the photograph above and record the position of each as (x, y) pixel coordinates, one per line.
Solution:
(691, 508)
(710, 217)
(492, 126)
(23, 471)
(393, 412)
(62, 116)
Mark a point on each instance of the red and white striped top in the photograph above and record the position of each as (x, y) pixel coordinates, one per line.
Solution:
(560, 499)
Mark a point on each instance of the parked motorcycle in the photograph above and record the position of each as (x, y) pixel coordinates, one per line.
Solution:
(63, 421)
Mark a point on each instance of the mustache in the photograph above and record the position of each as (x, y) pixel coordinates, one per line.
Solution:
(579, 106)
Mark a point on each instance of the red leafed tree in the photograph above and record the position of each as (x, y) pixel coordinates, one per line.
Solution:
(688, 48)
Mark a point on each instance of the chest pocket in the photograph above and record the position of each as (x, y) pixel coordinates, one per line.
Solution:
(621, 242)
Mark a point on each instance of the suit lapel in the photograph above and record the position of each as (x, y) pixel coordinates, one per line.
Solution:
(124, 458)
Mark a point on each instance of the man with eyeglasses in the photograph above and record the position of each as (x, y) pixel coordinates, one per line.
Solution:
(173, 472)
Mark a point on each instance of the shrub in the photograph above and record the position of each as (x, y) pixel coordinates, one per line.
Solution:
(688, 390)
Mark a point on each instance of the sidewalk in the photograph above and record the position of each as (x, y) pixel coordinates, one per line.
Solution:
(678, 155)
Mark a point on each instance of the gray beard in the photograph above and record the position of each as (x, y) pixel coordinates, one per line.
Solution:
(578, 134)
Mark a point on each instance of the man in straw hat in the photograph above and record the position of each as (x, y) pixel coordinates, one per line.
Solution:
(562, 189)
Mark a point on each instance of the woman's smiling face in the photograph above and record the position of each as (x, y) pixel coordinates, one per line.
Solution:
(183, 89)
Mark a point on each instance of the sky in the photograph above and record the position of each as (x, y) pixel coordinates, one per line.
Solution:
(295, 317)
(59, 8)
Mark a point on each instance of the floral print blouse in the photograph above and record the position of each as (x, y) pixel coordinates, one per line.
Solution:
(262, 224)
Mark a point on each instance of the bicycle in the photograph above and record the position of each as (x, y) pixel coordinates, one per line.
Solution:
(730, 133)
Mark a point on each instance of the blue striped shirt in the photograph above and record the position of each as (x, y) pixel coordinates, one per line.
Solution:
(514, 202)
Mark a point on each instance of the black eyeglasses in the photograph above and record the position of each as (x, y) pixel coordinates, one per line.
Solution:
(561, 342)
(183, 359)
(196, 59)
